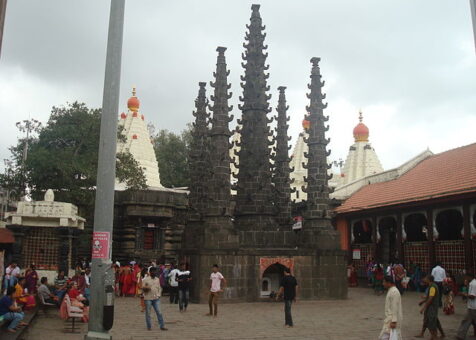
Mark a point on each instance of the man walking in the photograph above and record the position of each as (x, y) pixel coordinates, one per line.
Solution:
(288, 290)
(183, 278)
(430, 307)
(152, 291)
(439, 274)
(216, 280)
(393, 310)
(470, 317)
(173, 284)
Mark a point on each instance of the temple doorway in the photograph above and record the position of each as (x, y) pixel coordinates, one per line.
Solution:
(387, 251)
(271, 279)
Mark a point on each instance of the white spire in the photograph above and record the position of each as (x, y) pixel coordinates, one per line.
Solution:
(138, 142)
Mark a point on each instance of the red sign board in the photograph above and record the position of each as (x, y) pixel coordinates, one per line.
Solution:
(100, 248)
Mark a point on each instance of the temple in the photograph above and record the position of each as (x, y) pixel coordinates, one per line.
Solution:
(138, 142)
(250, 234)
(361, 161)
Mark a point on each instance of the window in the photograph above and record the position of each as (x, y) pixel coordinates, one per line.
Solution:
(149, 239)
(41, 246)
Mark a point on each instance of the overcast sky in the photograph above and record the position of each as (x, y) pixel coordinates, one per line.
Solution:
(409, 65)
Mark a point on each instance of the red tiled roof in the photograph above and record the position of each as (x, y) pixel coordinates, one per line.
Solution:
(444, 174)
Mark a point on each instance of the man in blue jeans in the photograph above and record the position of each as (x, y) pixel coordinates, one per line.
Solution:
(10, 311)
(288, 290)
(152, 292)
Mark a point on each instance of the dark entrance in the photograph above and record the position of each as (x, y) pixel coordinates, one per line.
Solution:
(387, 251)
(271, 280)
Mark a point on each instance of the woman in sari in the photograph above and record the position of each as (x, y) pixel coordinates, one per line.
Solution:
(77, 300)
(378, 279)
(27, 301)
(416, 277)
(127, 279)
(448, 296)
(31, 278)
(352, 276)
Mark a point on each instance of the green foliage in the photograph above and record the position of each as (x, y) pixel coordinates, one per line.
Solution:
(172, 152)
(64, 156)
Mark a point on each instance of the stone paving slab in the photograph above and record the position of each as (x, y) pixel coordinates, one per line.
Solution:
(357, 318)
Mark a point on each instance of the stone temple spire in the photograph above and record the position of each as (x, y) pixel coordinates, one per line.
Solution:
(199, 157)
(219, 186)
(317, 178)
(254, 189)
(281, 177)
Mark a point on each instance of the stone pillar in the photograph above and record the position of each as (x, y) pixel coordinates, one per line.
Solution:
(431, 242)
(19, 232)
(468, 247)
(65, 260)
(400, 238)
(374, 236)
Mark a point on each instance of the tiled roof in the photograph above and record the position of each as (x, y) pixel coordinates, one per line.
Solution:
(444, 174)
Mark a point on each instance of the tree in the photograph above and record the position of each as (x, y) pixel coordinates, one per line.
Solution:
(64, 156)
(172, 155)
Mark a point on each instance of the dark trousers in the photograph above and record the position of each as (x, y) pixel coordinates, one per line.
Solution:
(440, 293)
(468, 320)
(288, 318)
(173, 294)
(183, 298)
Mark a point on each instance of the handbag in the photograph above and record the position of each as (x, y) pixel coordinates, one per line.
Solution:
(394, 334)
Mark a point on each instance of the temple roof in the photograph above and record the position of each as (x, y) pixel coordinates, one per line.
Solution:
(444, 174)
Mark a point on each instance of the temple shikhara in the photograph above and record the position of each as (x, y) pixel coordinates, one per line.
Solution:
(254, 208)
(138, 142)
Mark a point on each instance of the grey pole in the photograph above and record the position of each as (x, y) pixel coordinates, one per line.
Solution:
(102, 274)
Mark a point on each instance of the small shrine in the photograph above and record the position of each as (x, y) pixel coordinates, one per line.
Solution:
(44, 234)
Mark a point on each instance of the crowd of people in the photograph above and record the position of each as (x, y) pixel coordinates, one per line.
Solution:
(149, 281)
(23, 289)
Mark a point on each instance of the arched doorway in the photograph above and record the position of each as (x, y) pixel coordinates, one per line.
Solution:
(413, 226)
(449, 224)
(271, 279)
(387, 247)
(362, 232)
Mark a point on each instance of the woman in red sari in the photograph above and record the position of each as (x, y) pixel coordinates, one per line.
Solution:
(31, 278)
(128, 284)
(352, 276)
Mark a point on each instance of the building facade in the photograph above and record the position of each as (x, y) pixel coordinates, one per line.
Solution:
(424, 215)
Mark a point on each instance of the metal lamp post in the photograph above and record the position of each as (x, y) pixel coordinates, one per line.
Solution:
(101, 313)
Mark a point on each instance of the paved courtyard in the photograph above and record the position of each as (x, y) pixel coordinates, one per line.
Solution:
(358, 317)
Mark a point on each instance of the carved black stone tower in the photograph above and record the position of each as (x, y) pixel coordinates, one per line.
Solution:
(254, 208)
(253, 241)
(281, 177)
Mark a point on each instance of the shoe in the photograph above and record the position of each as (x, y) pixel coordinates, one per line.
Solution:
(11, 330)
(149, 329)
(163, 329)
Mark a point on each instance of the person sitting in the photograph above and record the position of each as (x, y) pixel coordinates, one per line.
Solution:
(22, 296)
(10, 311)
(76, 300)
(60, 285)
(45, 293)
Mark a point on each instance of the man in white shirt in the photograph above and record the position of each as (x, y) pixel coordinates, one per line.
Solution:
(173, 283)
(439, 274)
(216, 279)
(11, 275)
(152, 292)
(470, 317)
(393, 310)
